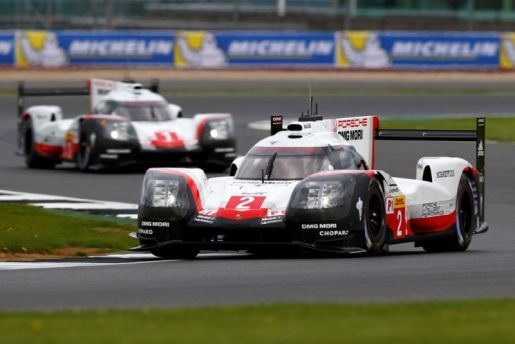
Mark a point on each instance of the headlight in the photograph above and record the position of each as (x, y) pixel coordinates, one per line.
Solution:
(119, 131)
(319, 195)
(219, 130)
(165, 193)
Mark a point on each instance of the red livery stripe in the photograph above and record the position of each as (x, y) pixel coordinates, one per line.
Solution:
(48, 150)
(433, 224)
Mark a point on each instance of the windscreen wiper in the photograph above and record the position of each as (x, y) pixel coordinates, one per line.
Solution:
(270, 166)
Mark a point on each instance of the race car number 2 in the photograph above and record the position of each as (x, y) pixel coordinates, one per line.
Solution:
(245, 202)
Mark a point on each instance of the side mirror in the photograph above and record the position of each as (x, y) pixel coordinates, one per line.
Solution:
(175, 111)
(235, 165)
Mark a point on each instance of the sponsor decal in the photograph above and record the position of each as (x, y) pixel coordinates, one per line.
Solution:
(198, 49)
(431, 209)
(361, 49)
(394, 188)
(445, 174)
(205, 219)
(145, 231)
(155, 224)
(359, 207)
(277, 48)
(41, 49)
(208, 212)
(333, 233)
(271, 219)
(82, 48)
(319, 226)
(389, 205)
(352, 135)
(399, 202)
(343, 123)
(367, 49)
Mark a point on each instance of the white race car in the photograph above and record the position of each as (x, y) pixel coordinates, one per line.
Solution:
(126, 124)
(313, 186)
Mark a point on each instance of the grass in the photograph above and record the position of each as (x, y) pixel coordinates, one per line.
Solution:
(497, 128)
(430, 322)
(29, 230)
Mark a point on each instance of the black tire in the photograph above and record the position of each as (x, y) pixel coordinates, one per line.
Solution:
(175, 252)
(32, 158)
(85, 153)
(465, 222)
(374, 219)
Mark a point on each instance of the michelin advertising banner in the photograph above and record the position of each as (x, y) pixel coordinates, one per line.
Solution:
(417, 50)
(95, 48)
(254, 49)
(7, 48)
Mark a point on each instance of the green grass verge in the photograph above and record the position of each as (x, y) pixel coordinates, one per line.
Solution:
(430, 322)
(32, 230)
(497, 128)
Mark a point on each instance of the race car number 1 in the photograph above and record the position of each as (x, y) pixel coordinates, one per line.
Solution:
(245, 202)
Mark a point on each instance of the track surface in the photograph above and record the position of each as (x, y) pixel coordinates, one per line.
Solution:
(485, 270)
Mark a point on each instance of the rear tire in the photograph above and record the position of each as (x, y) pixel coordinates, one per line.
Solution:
(175, 252)
(374, 215)
(465, 222)
(32, 158)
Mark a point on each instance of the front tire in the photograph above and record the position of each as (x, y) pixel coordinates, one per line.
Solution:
(465, 222)
(85, 153)
(175, 252)
(374, 215)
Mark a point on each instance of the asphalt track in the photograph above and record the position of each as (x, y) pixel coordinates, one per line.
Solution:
(487, 269)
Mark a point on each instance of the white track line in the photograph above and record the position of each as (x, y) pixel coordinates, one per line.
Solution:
(137, 256)
(68, 203)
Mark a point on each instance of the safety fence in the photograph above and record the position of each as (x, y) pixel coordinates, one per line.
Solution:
(218, 49)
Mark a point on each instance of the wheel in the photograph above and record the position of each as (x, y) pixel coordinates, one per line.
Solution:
(465, 222)
(175, 252)
(32, 158)
(374, 219)
(85, 155)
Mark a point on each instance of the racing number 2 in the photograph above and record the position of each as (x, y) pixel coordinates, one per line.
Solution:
(245, 202)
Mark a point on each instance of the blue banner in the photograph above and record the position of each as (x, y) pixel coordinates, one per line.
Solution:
(254, 49)
(441, 50)
(84, 48)
(7, 48)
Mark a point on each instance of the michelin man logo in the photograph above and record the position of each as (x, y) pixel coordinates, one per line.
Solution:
(508, 49)
(371, 56)
(48, 55)
(207, 55)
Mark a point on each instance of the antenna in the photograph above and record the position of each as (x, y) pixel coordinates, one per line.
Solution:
(311, 105)
(316, 109)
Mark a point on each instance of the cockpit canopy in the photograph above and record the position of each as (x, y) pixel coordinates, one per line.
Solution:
(137, 111)
(294, 163)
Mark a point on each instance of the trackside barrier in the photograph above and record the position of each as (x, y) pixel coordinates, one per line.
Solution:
(385, 50)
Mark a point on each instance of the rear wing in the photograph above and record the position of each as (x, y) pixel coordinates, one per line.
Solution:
(24, 92)
(477, 136)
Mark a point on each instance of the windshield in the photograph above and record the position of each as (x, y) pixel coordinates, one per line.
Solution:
(140, 111)
(283, 164)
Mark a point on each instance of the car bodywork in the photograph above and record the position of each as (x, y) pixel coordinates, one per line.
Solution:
(313, 185)
(126, 124)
